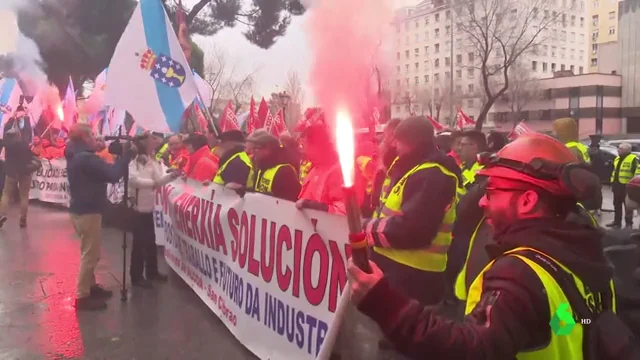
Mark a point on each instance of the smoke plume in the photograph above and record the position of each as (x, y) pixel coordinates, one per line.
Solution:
(19, 55)
(346, 39)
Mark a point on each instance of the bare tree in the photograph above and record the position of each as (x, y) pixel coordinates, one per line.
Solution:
(215, 70)
(405, 95)
(227, 83)
(499, 32)
(523, 91)
(294, 89)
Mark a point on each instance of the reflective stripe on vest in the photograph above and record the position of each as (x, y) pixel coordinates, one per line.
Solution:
(469, 175)
(582, 148)
(434, 257)
(213, 150)
(162, 151)
(460, 287)
(593, 219)
(363, 162)
(625, 175)
(264, 180)
(560, 347)
(245, 158)
(305, 167)
(386, 188)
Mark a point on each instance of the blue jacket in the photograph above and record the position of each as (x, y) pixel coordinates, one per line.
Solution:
(88, 176)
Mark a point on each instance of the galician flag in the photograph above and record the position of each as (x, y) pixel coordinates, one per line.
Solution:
(9, 100)
(149, 76)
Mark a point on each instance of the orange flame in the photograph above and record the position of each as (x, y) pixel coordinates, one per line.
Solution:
(345, 144)
(60, 113)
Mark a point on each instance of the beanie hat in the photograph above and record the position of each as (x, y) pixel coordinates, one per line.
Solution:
(415, 131)
(262, 137)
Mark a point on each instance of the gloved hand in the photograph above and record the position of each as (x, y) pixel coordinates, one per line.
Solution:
(312, 204)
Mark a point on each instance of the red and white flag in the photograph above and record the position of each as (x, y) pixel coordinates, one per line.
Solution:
(252, 121)
(463, 119)
(263, 113)
(268, 121)
(228, 120)
(436, 125)
(202, 119)
(278, 126)
(520, 129)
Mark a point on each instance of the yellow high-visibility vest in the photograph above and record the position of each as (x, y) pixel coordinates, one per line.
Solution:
(582, 148)
(245, 158)
(305, 167)
(162, 151)
(561, 347)
(460, 287)
(625, 175)
(363, 162)
(469, 175)
(386, 188)
(434, 257)
(264, 180)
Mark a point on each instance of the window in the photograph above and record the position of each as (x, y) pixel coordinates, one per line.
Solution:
(612, 15)
(563, 52)
(514, 14)
(553, 51)
(553, 67)
(447, 45)
(594, 35)
(417, 66)
(545, 68)
(572, 37)
(426, 49)
(398, 55)
(417, 24)
(470, 88)
(546, 50)
(406, 68)
(534, 65)
(437, 48)
(581, 22)
(447, 61)
(426, 64)
(581, 55)
(447, 30)
(573, 54)
(594, 20)
(459, 89)
(612, 30)
(458, 42)
(406, 54)
(436, 77)
(426, 35)
(447, 14)
(562, 67)
(398, 69)
(447, 75)
(416, 51)
(581, 70)
(437, 17)
(469, 103)
(436, 63)
(459, 74)
(426, 20)
(459, 59)
(546, 14)
(470, 72)
(594, 62)
(436, 33)
(572, 68)
(416, 80)
(596, 4)
(594, 48)
(436, 92)
(426, 78)
(573, 20)
(470, 56)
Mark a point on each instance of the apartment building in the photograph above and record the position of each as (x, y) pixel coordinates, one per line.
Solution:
(603, 25)
(430, 52)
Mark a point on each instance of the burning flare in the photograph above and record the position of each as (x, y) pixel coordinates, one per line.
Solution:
(345, 145)
(60, 113)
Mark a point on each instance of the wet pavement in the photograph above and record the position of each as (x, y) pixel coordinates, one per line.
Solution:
(37, 290)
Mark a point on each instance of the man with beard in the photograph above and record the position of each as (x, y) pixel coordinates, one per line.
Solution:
(512, 301)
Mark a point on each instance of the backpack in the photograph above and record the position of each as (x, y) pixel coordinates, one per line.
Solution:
(606, 337)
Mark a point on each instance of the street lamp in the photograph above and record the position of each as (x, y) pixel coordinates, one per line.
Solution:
(284, 101)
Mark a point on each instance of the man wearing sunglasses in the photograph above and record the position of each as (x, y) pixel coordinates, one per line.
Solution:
(533, 184)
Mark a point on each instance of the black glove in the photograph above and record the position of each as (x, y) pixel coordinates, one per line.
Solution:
(314, 205)
(241, 192)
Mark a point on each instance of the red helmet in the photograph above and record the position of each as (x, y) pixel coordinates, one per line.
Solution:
(534, 159)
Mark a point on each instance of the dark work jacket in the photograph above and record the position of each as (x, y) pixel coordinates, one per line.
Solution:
(285, 183)
(236, 171)
(18, 155)
(513, 313)
(88, 176)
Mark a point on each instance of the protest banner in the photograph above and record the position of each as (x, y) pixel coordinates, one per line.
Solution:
(273, 274)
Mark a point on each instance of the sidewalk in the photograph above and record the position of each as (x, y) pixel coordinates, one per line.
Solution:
(37, 291)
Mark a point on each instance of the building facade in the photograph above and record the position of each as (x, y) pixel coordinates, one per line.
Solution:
(629, 56)
(603, 25)
(436, 70)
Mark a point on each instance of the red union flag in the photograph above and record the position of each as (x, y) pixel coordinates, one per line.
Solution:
(228, 120)
(463, 119)
(268, 121)
(278, 126)
(436, 125)
(520, 129)
(252, 122)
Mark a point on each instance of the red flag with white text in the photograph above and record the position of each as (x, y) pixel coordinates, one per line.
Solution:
(228, 119)
(463, 119)
(278, 126)
(520, 129)
(436, 125)
(263, 112)
(252, 121)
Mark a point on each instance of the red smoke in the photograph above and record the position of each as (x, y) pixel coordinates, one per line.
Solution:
(346, 38)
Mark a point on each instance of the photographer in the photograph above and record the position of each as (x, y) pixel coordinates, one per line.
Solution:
(145, 175)
(88, 177)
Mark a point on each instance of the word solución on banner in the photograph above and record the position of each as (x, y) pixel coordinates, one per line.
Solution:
(226, 250)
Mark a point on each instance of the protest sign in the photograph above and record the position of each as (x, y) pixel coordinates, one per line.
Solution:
(273, 274)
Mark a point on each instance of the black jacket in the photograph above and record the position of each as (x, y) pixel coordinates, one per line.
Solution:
(18, 155)
(285, 185)
(427, 194)
(513, 313)
(88, 176)
(236, 171)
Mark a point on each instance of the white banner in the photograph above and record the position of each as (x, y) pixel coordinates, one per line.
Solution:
(274, 275)
(50, 184)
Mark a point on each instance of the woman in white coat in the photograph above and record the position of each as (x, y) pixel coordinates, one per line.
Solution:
(145, 176)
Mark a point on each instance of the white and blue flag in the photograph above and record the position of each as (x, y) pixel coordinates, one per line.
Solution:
(10, 93)
(148, 75)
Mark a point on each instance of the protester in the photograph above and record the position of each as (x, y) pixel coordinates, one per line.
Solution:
(145, 176)
(202, 165)
(235, 166)
(292, 150)
(36, 146)
(495, 141)
(88, 177)
(46, 149)
(212, 139)
(412, 231)
(471, 143)
(567, 131)
(56, 151)
(387, 155)
(103, 152)
(273, 174)
(322, 187)
(512, 301)
(177, 155)
(21, 122)
(456, 138)
(625, 167)
(17, 169)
